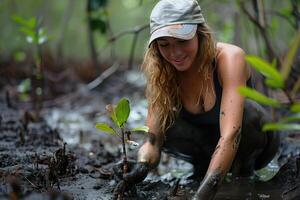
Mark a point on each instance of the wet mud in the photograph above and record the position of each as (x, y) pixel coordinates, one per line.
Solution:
(53, 158)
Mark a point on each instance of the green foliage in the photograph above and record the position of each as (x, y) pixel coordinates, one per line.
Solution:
(122, 112)
(19, 56)
(288, 62)
(96, 4)
(292, 118)
(31, 28)
(273, 77)
(281, 126)
(275, 80)
(24, 88)
(295, 107)
(258, 97)
(119, 115)
(141, 128)
(106, 128)
(98, 15)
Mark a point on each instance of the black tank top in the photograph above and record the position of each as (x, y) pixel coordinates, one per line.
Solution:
(210, 118)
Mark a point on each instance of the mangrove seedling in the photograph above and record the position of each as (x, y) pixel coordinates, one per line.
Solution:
(119, 115)
(36, 35)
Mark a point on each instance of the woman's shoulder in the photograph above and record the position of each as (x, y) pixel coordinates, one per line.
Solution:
(225, 50)
(231, 61)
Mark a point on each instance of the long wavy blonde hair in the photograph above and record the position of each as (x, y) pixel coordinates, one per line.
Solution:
(163, 86)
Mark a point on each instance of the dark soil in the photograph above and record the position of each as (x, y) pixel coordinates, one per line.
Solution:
(40, 160)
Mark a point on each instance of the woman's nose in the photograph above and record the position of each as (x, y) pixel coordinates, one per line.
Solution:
(176, 51)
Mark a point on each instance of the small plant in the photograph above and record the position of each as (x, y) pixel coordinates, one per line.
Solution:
(276, 80)
(119, 115)
(35, 35)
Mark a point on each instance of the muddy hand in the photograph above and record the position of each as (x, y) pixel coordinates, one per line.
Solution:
(137, 172)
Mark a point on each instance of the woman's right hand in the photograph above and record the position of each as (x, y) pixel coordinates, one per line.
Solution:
(136, 173)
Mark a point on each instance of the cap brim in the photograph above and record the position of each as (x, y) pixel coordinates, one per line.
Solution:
(180, 31)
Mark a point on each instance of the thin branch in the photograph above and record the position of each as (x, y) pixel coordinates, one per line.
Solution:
(283, 17)
(287, 94)
(133, 45)
(296, 88)
(135, 30)
(262, 29)
(295, 13)
(33, 185)
(79, 92)
(102, 77)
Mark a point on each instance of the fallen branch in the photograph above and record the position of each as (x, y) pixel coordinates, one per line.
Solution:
(107, 73)
(33, 185)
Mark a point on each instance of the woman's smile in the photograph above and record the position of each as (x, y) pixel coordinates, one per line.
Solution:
(179, 61)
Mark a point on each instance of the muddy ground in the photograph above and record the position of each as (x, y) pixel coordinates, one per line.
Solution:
(62, 155)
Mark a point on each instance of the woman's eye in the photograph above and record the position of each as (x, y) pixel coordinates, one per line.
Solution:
(162, 44)
(182, 41)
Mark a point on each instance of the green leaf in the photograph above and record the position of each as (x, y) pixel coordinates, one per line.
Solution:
(267, 70)
(32, 22)
(281, 127)
(27, 31)
(292, 118)
(24, 86)
(122, 111)
(19, 56)
(288, 61)
(295, 107)
(111, 109)
(258, 97)
(273, 83)
(106, 128)
(28, 23)
(274, 63)
(141, 128)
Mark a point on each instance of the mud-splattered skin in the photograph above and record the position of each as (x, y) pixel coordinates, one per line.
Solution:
(152, 138)
(232, 73)
(209, 186)
(150, 151)
(213, 179)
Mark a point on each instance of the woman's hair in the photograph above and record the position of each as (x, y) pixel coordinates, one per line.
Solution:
(163, 86)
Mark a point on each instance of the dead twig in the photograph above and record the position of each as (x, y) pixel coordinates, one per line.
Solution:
(33, 185)
(107, 73)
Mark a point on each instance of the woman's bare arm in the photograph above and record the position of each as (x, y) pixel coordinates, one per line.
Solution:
(233, 73)
(150, 151)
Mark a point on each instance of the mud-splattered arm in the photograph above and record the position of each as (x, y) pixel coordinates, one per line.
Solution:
(233, 73)
(220, 164)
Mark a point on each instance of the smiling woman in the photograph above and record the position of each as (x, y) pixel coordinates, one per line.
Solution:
(195, 112)
(180, 53)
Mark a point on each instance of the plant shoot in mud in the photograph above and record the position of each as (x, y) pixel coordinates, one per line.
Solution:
(36, 36)
(119, 115)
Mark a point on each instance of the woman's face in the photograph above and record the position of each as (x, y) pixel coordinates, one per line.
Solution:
(180, 53)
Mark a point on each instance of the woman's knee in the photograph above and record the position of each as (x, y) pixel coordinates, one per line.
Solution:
(255, 114)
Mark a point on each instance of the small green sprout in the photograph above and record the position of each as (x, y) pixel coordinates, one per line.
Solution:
(119, 115)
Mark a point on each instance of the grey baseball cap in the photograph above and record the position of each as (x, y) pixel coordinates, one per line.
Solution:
(175, 18)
